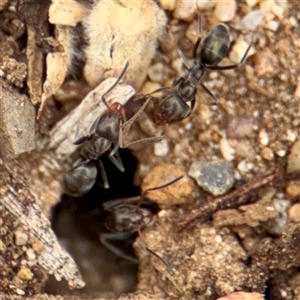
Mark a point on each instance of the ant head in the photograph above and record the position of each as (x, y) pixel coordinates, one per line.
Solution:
(128, 218)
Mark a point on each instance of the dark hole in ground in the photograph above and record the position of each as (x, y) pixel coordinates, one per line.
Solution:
(77, 222)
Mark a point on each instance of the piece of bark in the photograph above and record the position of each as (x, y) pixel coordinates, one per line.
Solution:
(17, 123)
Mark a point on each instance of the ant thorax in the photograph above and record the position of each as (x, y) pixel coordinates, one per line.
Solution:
(108, 126)
(94, 147)
(128, 218)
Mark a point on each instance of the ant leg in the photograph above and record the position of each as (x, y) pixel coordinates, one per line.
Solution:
(103, 173)
(185, 62)
(216, 101)
(128, 124)
(195, 48)
(114, 85)
(230, 67)
(116, 160)
(145, 140)
(116, 147)
(136, 115)
(105, 237)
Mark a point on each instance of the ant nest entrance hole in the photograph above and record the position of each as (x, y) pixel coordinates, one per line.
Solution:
(77, 223)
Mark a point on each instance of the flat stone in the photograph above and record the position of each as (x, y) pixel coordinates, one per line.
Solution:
(215, 177)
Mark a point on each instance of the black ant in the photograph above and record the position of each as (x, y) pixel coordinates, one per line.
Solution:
(214, 49)
(126, 218)
(105, 137)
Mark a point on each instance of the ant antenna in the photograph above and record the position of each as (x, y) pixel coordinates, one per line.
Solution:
(168, 265)
(143, 195)
(114, 85)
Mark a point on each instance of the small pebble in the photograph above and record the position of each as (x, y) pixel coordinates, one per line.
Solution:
(185, 10)
(266, 5)
(225, 10)
(266, 63)
(281, 153)
(205, 4)
(167, 4)
(20, 292)
(294, 213)
(251, 3)
(290, 135)
(227, 151)
(267, 153)
(293, 160)
(293, 22)
(238, 50)
(158, 72)
(20, 238)
(263, 137)
(272, 25)
(161, 148)
(297, 91)
(30, 254)
(282, 218)
(215, 177)
(278, 11)
(251, 20)
(293, 189)
(239, 127)
(243, 167)
(37, 245)
(25, 274)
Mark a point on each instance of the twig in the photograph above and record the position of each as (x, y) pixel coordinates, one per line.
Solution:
(233, 199)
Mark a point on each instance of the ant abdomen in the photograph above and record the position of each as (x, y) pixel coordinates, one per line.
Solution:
(216, 45)
(80, 179)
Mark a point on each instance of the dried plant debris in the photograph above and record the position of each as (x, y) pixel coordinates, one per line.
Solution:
(17, 123)
(114, 38)
(57, 68)
(83, 116)
(34, 228)
(232, 199)
(14, 72)
(35, 16)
